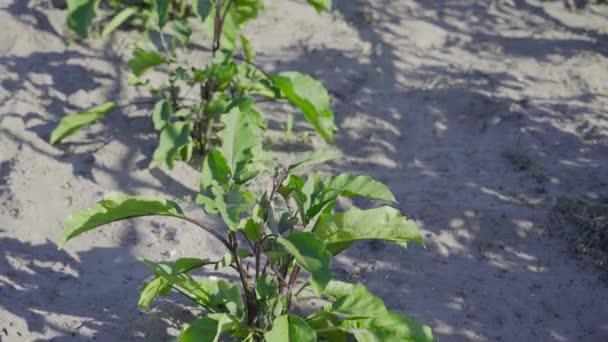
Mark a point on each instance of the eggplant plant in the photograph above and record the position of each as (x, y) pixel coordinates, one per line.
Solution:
(187, 122)
(280, 242)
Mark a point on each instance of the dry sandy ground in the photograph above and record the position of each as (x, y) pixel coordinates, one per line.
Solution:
(443, 100)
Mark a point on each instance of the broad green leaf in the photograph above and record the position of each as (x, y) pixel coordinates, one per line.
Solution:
(339, 231)
(143, 60)
(336, 289)
(290, 328)
(161, 9)
(80, 15)
(118, 19)
(236, 202)
(250, 114)
(367, 318)
(310, 253)
(248, 49)
(207, 329)
(151, 290)
(350, 185)
(358, 303)
(201, 330)
(72, 123)
(240, 142)
(252, 229)
(311, 98)
(215, 168)
(327, 326)
(247, 10)
(173, 140)
(390, 327)
(266, 287)
(202, 8)
(115, 207)
(161, 114)
(213, 295)
(230, 204)
(160, 286)
(182, 31)
(320, 5)
(305, 159)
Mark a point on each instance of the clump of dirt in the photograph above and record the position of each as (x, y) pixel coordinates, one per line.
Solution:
(584, 223)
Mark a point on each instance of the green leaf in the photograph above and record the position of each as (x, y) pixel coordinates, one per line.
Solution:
(215, 168)
(327, 326)
(266, 287)
(161, 8)
(201, 330)
(160, 286)
(213, 295)
(161, 114)
(207, 329)
(311, 255)
(72, 123)
(339, 231)
(202, 8)
(320, 5)
(350, 185)
(118, 19)
(247, 10)
(115, 207)
(311, 98)
(367, 318)
(290, 328)
(143, 60)
(229, 204)
(241, 141)
(248, 49)
(181, 30)
(174, 139)
(80, 15)
(390, 327)
(305, 159)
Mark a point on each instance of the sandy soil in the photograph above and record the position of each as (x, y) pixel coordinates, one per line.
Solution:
(479, 114)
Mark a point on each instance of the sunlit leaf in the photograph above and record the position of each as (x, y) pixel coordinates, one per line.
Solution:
(181, 30)
(115, 207)
(305, 159)
(143, 60)
(311, 98)
(248, 49)
(160, 286)
(119, 19)
(161, 114)
(311, 255)
(174, 137)
(290, 328)
(72, 123)
(161, 9)
(339, 231)
(80, 15)
(207, 329)
(350, 185)
(366, 317)
(240, 142)
(320, 5)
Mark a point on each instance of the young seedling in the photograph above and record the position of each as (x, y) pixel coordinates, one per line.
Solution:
(280, 243)
(186, 123)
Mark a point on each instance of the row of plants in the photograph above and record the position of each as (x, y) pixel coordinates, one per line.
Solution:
(281, 240)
